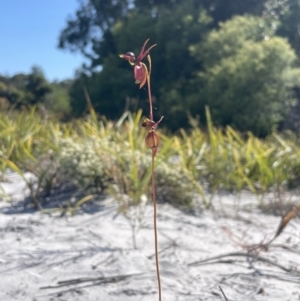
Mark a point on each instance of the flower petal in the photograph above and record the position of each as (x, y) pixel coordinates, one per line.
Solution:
(143, 53)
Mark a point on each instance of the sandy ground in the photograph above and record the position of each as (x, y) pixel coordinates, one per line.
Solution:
(93, 252)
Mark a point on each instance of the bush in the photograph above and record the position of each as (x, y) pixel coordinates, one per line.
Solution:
(105, 166)
(80, 165)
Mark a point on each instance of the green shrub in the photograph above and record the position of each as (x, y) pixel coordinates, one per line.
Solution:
(80, 165)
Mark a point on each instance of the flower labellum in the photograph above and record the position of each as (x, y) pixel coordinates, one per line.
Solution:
(140, 74)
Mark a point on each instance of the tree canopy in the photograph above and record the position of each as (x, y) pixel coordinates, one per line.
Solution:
(240, 58)
(247, 75)
(26, 90)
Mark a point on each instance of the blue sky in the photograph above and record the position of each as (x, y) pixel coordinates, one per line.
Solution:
(29, 31)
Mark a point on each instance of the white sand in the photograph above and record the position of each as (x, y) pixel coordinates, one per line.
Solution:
(38, 250)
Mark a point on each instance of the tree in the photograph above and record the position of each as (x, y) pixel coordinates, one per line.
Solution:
(26, 90)
(95, 19)
(36, 87)
(58, 101)
(188, 67)
(286, 14)
(248, 78)
(174, 30)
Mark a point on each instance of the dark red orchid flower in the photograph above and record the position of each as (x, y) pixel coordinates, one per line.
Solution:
(141, 76)
(140, 69)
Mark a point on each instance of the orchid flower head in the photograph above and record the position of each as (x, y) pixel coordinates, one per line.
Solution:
(140, 69)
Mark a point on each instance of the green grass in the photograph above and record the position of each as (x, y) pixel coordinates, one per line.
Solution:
(111, 158)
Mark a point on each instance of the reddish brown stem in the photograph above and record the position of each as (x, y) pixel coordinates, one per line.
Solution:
(153, 184)
(155, 227)
(150, 98)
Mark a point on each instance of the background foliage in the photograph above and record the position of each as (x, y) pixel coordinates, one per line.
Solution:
(92, 158)
(241, 58)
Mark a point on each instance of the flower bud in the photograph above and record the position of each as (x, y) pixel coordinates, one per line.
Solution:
(152, 140)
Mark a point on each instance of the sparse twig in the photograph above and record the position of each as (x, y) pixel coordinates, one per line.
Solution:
(173, 244)
(223, 293)
(76, 281)
(243, 254)
(265, 244)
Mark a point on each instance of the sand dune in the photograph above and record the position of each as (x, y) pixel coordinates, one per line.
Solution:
(90, 256)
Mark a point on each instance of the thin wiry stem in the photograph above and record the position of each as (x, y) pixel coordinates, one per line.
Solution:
(149, 89)
(150, 101)
(155, 228)
(153, 182)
